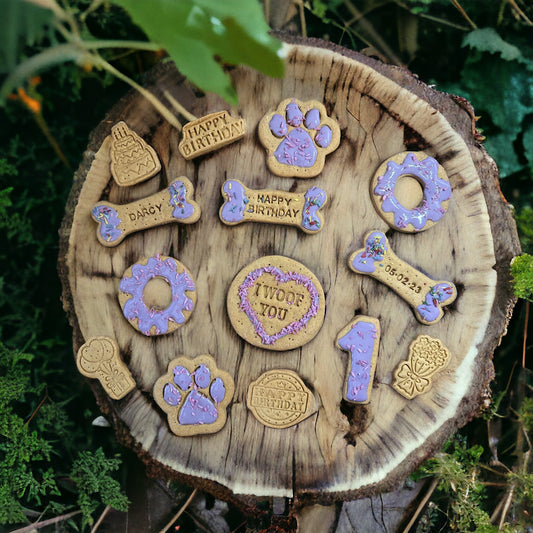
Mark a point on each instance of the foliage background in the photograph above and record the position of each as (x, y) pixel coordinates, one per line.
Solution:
(53, 460)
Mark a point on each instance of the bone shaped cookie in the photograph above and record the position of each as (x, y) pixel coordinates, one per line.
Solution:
(99, 358)
(361, 338)
(132, 159)
(426, 296)
(271, 206)
(173, 204)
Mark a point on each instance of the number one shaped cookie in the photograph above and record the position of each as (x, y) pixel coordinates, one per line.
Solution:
(426, 296)
(174, 204)
(361, 339)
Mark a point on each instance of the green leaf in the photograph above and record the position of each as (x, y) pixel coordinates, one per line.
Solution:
(196, 32)
(500, 147)
(502, 88)
(527, 141)
(22, 23)
(488, 40)
(522, 272)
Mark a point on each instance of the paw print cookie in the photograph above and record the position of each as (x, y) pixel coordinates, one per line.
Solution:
(194, 394)
(298, 136)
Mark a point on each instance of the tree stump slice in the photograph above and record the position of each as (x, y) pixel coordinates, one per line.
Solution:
(341, 451)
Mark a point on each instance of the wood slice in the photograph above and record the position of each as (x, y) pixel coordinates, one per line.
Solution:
(341, 451)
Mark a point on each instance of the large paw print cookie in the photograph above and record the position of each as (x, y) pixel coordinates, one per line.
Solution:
(194, 394)
(298, 136)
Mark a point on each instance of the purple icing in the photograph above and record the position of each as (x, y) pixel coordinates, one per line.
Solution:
(281, 277)
(360, 342)
(436, 191)
(297, 149)
(294, 116)
(217, 390)
(314, 200)
(197, 409)
(278, 126)
(171, 395)
(233, 208)
(312, 119)
(182, 378)
(430, 310)
(178, 200)
(134, 285)
(323, 137)
(375, 251)
(202, 377)
(108, 220)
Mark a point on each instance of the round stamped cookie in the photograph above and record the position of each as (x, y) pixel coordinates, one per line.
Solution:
(279, 399)
(276, 303)
(411, 191)
(157, 295)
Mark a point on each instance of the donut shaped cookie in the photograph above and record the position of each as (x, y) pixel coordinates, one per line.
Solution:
(157, 317)
(429, 174)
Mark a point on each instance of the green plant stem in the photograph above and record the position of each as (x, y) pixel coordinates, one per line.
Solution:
(100, 62)
(111, 43)
(44, 523)
(61, 53)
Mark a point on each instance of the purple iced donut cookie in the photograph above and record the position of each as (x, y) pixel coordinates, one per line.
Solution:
(436, 191)
(154, 318)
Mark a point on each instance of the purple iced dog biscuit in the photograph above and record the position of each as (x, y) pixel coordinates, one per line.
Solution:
(134, 285)
(361, 341)
(435, 192)
(438, 294)
(108, 221)
(375, 250)
(178, 200)
(314, 200)
(298, 136)
(233, 209)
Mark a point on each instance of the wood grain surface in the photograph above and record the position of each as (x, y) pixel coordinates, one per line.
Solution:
(341, 451)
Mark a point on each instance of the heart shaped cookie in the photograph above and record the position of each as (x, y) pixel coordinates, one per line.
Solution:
(276, 303)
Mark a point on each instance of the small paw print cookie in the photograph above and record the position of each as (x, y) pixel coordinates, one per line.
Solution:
(194, 394)
(276, 303)
(157, 295)
(298, 136)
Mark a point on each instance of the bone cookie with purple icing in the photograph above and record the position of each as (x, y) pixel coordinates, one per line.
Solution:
(361, 339)
(271, 206)
(210, 133)
(396, 194)
(173, 204)
(157, 295)
(426, 296)
(194, 394)
(297, 137)
(132, 159)
(99, 358)
(427, 356)
(276, 303)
